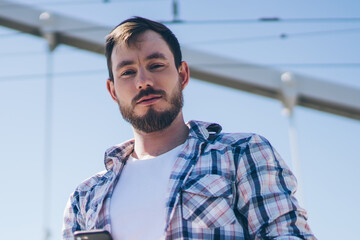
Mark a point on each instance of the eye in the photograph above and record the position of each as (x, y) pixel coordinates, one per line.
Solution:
(156, 66)
(127, 73)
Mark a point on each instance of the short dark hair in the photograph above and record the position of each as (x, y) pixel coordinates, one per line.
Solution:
(128, 31)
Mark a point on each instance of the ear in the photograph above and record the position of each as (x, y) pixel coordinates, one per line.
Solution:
(111, 88)
(184, 74)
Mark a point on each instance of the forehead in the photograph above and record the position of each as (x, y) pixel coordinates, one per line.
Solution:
(144, 44)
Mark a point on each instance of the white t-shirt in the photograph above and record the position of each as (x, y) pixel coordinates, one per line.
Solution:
(138, 204)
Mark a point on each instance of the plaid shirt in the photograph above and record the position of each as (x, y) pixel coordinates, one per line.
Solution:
(222, 186)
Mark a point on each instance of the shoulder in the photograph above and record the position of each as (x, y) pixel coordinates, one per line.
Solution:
(216, 139)
(90, 187)
(241, 140)
(97, 184)
(93, 181)
(251, 147)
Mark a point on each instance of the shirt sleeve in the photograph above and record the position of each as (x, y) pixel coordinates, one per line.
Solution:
(72, 219)
(265, 188)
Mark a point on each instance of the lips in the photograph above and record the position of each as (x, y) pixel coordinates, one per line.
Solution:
(148, 99)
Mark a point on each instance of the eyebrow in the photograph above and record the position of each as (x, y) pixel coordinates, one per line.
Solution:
(156, 55)
(123, 64)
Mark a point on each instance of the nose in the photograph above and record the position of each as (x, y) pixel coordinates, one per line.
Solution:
(144, 79)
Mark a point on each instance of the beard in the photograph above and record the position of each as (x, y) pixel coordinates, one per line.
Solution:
(153, 120)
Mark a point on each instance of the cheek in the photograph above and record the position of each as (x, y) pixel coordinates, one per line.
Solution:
(122, 90)
(123, 98)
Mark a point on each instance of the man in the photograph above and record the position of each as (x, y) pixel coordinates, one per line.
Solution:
(177, 180)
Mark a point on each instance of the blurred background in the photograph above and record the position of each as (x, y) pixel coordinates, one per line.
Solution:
(54, 136)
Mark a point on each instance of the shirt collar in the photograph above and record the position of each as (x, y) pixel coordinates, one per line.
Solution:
(203, 130)
(118, 152)
(197, 129)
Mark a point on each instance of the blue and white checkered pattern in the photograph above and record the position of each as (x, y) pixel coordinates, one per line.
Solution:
(222, 186)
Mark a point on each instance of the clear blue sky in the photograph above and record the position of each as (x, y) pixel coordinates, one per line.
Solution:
(86, 121)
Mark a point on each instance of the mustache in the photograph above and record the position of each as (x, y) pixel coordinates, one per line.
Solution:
(146, 92)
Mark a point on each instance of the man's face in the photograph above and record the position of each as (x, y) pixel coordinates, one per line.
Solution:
(147, 85)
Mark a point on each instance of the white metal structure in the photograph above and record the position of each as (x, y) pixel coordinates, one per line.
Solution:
(301, 90)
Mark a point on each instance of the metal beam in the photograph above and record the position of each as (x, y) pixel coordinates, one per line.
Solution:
(311, 92)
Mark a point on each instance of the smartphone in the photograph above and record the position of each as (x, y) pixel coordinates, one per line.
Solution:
(98, 234)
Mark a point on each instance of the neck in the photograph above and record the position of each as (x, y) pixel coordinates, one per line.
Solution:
(153, 144)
